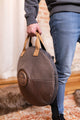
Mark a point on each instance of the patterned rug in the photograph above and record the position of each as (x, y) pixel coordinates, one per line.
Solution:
(72, 112)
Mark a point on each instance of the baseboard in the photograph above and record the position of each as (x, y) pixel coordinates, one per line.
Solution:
(73, 83)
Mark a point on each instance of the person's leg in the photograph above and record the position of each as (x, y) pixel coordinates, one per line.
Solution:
(65, 33)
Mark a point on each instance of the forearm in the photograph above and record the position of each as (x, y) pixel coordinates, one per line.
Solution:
(31, 9)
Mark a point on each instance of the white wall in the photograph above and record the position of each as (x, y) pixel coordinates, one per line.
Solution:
(12, 35)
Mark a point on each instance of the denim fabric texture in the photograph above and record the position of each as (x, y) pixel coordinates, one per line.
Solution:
(65, 31)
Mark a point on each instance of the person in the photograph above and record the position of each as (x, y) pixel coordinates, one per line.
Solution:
(65, 31)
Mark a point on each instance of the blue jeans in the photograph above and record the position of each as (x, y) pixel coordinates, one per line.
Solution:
(65, 31)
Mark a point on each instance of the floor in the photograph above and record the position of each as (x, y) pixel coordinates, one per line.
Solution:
(72, 112)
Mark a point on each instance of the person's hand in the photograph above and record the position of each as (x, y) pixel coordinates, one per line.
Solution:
(32, 29)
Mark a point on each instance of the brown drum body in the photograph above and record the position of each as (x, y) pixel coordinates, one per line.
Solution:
(37, 77)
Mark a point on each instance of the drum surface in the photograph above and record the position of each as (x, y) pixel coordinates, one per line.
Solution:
(37, 77)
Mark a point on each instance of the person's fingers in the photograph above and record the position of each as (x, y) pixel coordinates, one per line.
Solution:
(32, 29)
(31, 32)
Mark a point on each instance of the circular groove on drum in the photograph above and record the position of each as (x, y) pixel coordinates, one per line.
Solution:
(22, 78)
